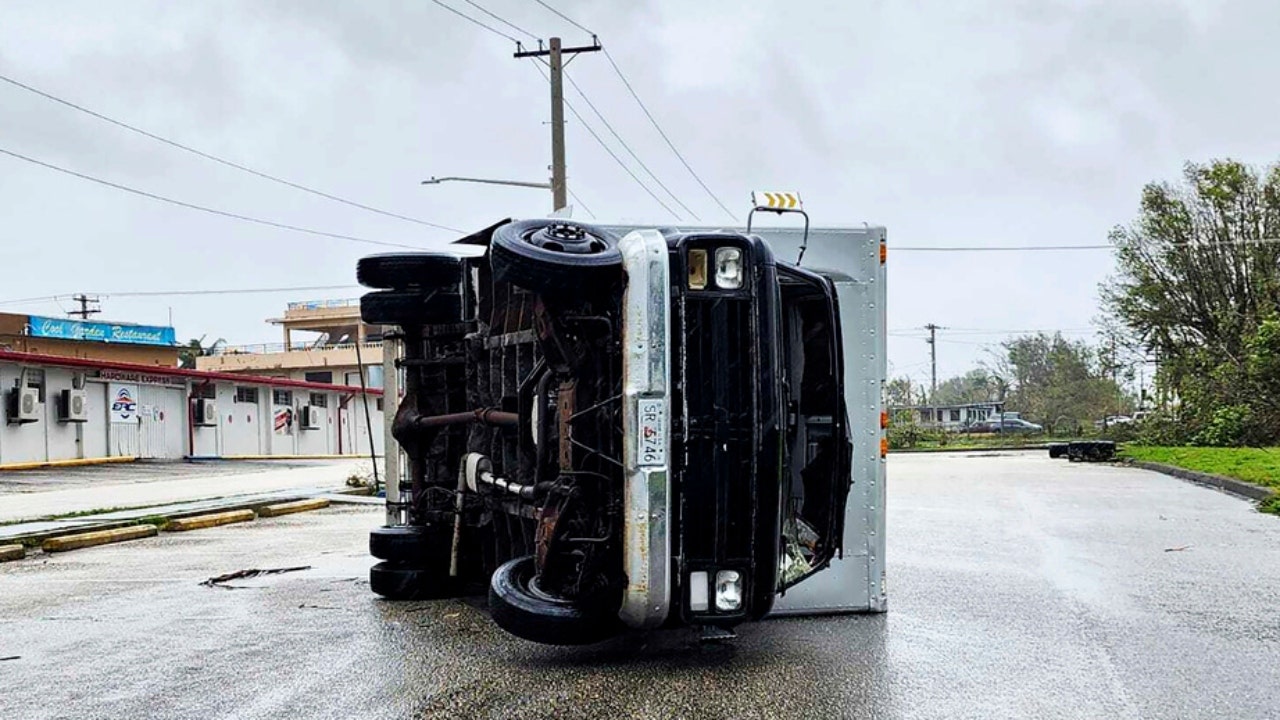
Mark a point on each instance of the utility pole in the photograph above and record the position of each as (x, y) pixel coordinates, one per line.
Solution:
(556, 63)
(85, 311)
(933, 358)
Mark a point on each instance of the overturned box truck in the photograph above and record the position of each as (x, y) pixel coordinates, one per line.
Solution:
(622, 427)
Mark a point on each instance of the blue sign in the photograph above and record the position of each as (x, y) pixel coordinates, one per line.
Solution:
(64, 329)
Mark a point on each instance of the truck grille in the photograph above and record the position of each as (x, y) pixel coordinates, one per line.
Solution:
(716, 387)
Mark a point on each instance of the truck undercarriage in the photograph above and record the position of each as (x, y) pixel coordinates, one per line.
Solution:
(582, 499)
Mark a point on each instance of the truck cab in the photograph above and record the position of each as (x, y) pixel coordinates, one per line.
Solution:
(613, 428)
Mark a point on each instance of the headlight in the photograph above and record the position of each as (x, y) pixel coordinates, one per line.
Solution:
(698, 591)
(728, 268)
(728, 591)
(697, 269)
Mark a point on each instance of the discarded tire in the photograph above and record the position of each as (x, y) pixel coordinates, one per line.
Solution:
(518, 607)
(555, 256)
(411, 544)
(405, 271)
(410, 307)
(1091, 451)
(400, 581)
(1057, 450)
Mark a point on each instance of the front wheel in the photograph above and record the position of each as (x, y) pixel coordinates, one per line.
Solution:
(556, 257)
(521, 608)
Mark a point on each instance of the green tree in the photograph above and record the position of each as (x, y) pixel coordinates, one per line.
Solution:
(1198, 277)
(195, 348)
(1058, 382)
(898, 391)
(975, 386)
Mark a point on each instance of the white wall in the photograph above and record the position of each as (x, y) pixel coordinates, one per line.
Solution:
(242, 429)
(19, 443)
(241, 422)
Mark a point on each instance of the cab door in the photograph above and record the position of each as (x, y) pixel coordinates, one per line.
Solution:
(818, 441)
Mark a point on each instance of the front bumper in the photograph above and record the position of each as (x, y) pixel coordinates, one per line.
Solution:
(646, 383)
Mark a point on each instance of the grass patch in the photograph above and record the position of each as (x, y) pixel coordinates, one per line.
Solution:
(159, 521)
(1260, 466)
(1270, 505)
(979, 442)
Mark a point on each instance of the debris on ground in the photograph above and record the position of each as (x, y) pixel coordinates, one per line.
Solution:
(244, 574)
(1180, 548)
(11, 657)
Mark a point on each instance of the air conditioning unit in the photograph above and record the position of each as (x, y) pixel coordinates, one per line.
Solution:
(24, 405)
(312, 417)
(73, 406)
(206, 413)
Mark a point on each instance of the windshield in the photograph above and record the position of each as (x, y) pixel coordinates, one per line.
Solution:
(817, 436)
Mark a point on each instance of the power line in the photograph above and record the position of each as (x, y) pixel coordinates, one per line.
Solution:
(223, 161)
(470, 19)
(564, 17)
(186, 293)
(227, 291)
(662, 132)
(1034, 248)
(31, 300)
(916, 332)
(644, 108)
(998, 248)
(578, 200)
(609, 150)
(202, 208)
(628, 147)
(509, 24)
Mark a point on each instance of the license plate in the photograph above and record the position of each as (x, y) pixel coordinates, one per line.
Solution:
(653, 431)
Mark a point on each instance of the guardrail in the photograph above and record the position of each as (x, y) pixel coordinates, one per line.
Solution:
(267, 348)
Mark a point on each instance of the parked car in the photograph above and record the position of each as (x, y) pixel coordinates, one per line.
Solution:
(1018, 425)
(980, 426)
(1007, 425)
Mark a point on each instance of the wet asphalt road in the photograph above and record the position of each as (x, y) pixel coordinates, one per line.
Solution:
(141, 471)
(1019, 587)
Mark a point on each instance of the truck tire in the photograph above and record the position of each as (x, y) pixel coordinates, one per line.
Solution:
(555, 256)
(402, 581)
(519, 608)
(404, 271)
(410, 307)
(412, 544)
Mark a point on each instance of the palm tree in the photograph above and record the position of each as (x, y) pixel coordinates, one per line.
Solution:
(196, 348)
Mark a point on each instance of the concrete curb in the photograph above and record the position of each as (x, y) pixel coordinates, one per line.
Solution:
(12, 552)
(1231, 485)
(200, 522)
(907, 451)
(296, 506)
(42, 464)
(36, 538)
(98, 537)
(281, 457)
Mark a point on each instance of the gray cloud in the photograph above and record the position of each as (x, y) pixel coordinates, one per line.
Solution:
(996, 122)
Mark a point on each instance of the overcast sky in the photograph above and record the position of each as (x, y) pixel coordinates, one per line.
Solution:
(1002, 122)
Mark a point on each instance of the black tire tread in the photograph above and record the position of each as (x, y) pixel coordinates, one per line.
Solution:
(410, 307)
(524, 615)
(399, 581)
(402, 271)
(412, 544)
(547, 272)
